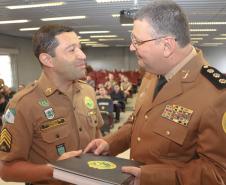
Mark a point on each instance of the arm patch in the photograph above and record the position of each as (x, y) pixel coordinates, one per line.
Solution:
(214, 76)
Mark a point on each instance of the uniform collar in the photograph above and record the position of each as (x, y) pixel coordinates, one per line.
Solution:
(46, 85)
(180, 65)
(49, 88)
(190, 71)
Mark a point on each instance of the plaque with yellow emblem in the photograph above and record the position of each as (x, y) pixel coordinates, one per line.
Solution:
(93, 170)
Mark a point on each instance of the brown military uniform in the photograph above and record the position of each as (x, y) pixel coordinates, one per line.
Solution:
(41, 123)
(180, 136)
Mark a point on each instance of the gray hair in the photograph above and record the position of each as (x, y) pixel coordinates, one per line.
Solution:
(166, 18)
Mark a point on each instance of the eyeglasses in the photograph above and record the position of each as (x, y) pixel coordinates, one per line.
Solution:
(136, 42)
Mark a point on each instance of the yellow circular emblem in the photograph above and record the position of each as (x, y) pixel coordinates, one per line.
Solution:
(224, 122)
(89, 102)
(102, 165)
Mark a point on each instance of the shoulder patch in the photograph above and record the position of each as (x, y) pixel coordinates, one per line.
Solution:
(214, 76)
(81, 81)
(18, 96)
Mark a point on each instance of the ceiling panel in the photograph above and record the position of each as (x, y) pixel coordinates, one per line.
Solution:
(99, 17)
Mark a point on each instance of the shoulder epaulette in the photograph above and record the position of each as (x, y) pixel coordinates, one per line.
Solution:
(19, 95)
(214, 76)
(81, 81)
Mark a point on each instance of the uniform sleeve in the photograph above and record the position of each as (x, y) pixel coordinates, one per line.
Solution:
(16, 134)
(209, 165)
(120, 140)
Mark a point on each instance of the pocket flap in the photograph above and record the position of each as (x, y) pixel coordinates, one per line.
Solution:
(56, 133)
(172, 131)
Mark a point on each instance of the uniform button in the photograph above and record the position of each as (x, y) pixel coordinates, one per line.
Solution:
(57, 135)
(167, 132)
(80, 129)
(138, 139)
(146, 117)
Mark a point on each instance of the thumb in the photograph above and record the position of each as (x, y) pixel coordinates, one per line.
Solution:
(75, 153)
(131, 170)
(100, 149)
(70, 154)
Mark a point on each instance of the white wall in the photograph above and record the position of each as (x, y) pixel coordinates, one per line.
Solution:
(216, 57)
(27, 68)
(111, 58)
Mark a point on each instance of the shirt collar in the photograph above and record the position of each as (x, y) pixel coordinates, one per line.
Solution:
(180, 65)
(46, 85)
(49, 88)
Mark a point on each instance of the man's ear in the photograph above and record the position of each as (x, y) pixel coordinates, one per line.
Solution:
(46, 59)
(169, 46)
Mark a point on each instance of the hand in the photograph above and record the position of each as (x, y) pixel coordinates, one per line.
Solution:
(98, 146)
(135, 172)
(67, 155)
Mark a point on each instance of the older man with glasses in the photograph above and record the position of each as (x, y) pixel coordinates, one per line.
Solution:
(178, 128)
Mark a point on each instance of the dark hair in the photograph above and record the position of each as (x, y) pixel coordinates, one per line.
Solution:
(166, 18)
(44, 40)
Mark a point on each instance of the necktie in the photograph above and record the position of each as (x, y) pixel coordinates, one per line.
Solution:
(161, 82)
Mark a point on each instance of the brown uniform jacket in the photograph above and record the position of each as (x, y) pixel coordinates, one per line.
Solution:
(180, 136)
(41, 123)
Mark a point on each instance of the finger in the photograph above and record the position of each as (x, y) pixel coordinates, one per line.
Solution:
(100, 149)
(70, 154)
(75, 153)
(132, 170)
(90, 147)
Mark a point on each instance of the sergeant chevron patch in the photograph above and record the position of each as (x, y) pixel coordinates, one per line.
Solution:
(5, 141)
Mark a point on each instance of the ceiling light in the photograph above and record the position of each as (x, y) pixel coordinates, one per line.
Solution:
(100, 46)
(194, 42)
(126, 24)
(29, 29)
(109, 1)
(219, 38)
(207, 23)
(35, 5)
(63, 18)
(13, 21)
(91, 32)
(212, 44)
(202, 30)
(223, 35)
(84, 40)
(115, 15)
(103, 36)
(199, 35)
(89, 42)
(197, 38)
(110, 39)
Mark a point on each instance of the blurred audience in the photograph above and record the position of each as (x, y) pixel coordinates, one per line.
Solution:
(105, 105)
(126, 86)
(20, 87)
(90, 81)
(109, 84)
(118, 99)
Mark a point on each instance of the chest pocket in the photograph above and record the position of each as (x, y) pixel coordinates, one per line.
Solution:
(172, 131)
(54, 130)
(88, 116)
(170, 137)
